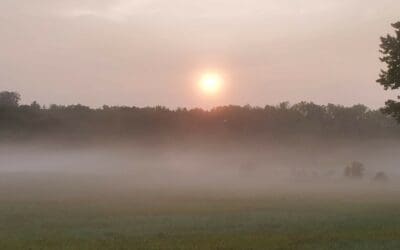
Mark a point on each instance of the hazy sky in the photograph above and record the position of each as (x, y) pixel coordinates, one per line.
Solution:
(149, 52)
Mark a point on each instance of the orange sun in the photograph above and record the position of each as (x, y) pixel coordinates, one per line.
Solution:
(210, 83)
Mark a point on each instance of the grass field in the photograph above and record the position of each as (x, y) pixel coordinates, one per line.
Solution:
(59, 213)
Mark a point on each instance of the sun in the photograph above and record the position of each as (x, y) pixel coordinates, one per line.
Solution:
(211, 83)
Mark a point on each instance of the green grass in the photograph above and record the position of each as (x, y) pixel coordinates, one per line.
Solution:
(160, 220)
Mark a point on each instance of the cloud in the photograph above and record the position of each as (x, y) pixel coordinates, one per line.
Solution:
(123, 9)
(114, 11)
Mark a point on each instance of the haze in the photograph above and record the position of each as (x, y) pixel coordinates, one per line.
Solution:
(182, 169)
(151, 52)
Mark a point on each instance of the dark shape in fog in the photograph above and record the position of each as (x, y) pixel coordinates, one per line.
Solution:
(354, 170)
(381, 177)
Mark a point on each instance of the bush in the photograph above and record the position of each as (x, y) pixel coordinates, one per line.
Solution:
(354, 170)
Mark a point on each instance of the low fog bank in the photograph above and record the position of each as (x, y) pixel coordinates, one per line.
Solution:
(242, 169)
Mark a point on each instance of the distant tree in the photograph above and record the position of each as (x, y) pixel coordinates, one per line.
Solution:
(354, 170)
(284, 105)
(35, 106)
(390, 77)
(9, 99)
(55, 107)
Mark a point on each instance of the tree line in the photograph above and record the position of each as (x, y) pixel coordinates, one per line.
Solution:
(225, 122)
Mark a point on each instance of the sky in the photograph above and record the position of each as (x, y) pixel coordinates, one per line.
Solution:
(152, 52)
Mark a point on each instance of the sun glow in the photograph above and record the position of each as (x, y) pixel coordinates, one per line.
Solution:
(210, 83)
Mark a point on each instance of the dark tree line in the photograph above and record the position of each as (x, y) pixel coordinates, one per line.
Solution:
(227, 122)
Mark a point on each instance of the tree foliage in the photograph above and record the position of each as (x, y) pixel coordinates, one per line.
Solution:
(390, 77)
(301, 120)
(9, 99)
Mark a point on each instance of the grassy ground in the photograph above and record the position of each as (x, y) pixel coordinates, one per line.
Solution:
(35, 217)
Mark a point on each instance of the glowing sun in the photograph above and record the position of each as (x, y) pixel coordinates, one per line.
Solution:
(211, 83)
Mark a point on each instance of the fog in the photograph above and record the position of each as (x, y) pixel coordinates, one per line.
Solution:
(127, 171)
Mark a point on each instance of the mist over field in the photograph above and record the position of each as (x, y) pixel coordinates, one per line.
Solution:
(248, 169)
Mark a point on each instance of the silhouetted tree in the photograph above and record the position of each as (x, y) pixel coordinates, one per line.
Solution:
(35, 106)
(9, 99)
(390, 77)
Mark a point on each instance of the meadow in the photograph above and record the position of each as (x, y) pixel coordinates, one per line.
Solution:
(53, 211)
